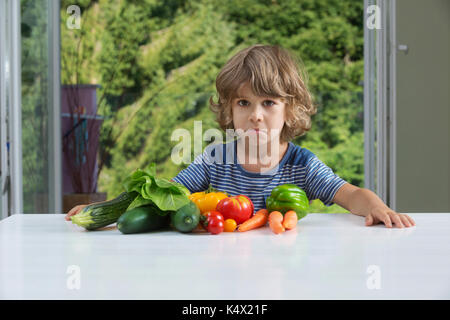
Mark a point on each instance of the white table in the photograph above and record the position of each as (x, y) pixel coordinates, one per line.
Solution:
(328, 256)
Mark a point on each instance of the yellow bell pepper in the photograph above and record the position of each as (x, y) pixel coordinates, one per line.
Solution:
(207, 201)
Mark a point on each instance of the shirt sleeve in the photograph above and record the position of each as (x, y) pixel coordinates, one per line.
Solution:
(196, 176)
(321, 182)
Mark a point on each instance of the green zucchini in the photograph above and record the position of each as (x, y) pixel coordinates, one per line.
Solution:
(186, 218)
(143, 219)
(99, 215)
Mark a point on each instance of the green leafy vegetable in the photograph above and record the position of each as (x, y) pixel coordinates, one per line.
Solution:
(166, 195)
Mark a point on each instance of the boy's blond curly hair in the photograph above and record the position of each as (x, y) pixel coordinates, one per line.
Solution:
(273, 72)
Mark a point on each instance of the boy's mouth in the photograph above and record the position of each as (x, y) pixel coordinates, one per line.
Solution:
(253, 131)
(257, 132)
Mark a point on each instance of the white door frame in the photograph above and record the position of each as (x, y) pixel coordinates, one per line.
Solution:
(55, 143)
(4, 170)
(369, 96)
(14, 102)
(386, 103)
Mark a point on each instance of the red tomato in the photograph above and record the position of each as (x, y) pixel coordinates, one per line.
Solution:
(215, 225)
(239, 208)
(213, 222)
(214, 213)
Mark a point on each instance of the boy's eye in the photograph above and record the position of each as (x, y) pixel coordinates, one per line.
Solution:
(243, 103)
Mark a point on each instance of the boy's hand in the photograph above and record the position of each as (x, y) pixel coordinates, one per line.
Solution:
(364, 202)
(388, 217)
(75, 210)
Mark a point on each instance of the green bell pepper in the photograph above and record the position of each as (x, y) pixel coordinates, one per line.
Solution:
(287, 197)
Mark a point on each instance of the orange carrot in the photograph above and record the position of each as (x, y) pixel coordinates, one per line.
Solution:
(290, 220)
(275, 222)
(259, 219)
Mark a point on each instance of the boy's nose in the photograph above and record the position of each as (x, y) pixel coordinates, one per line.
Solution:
(256, 114)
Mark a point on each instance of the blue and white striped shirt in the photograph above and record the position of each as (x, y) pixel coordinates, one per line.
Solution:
(218, 166)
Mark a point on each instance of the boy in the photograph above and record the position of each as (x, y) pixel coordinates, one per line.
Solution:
(264, 101)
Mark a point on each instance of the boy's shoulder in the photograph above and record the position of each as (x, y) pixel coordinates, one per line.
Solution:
(299, 156)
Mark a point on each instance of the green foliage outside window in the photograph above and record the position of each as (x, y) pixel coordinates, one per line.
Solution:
(157, 61)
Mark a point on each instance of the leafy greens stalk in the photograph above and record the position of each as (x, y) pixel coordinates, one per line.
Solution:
(166, 195)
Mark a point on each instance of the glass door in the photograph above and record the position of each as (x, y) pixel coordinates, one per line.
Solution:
(3, 148)
(30, 107)
(10, 144)
(40, 106)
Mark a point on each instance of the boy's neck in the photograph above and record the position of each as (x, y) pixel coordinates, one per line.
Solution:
(260, 158)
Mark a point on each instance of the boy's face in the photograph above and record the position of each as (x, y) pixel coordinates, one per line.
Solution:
(252, 112)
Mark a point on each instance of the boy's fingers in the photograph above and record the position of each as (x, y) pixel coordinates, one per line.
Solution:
(390, 217)
(74, 211)
(405, 220)
(396, 219)
(387, 220)
(413, 223)
(68, 215)
(369, 220)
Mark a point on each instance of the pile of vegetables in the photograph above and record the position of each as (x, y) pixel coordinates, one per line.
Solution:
(150, 203)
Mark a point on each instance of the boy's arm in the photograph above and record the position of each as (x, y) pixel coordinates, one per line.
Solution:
(364, 202)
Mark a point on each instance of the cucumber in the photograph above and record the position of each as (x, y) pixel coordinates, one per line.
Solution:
(186, 218)
(99, 215)
(142, 219)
